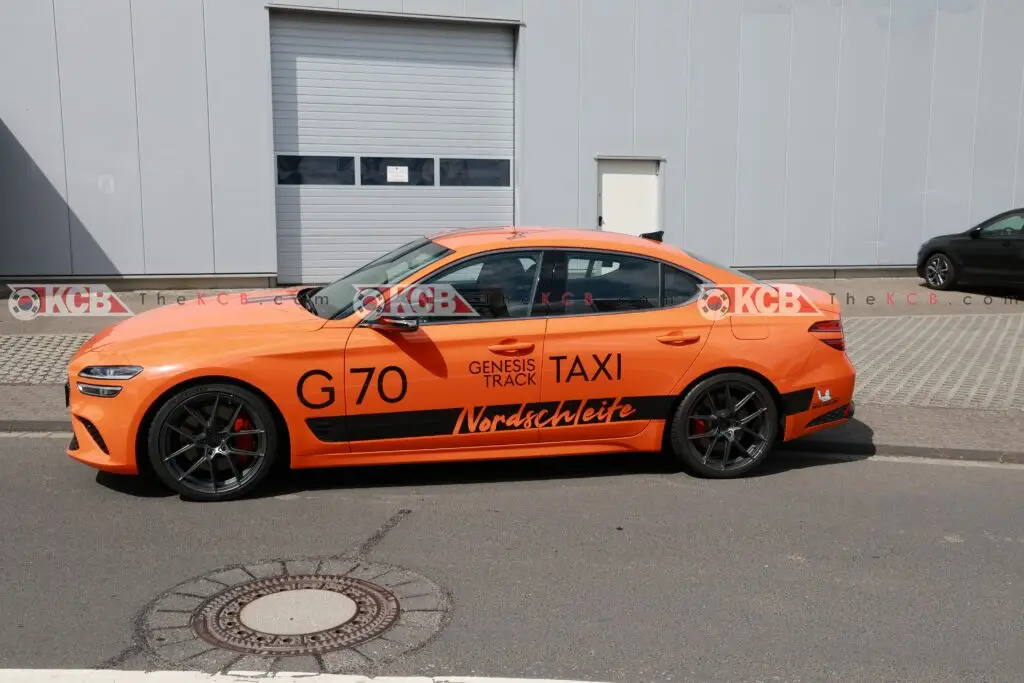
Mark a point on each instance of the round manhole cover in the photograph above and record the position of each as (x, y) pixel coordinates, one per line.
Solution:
(296, 615)
(332, 615)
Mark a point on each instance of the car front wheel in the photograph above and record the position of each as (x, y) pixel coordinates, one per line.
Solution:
(724, 427)
(939, 272)
(213, 442)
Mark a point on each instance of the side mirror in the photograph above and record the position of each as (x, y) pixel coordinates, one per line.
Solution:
(975, 234)
(391, 324)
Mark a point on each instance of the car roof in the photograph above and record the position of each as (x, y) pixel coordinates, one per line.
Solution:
(488, 238)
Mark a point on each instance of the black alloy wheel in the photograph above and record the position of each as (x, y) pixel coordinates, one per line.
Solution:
(725, 426)
(213, 442)
(939, 272)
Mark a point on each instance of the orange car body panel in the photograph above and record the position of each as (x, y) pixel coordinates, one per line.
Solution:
(496, 388)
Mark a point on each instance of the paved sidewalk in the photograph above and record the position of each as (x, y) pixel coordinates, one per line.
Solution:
(953, 380)
(858, 297)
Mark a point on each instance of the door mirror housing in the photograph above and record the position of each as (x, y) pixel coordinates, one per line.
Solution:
(388, 323)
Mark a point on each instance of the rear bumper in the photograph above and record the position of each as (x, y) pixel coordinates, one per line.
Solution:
(824, 398)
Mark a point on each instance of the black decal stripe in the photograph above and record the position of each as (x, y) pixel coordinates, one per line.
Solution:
(797, 401)
(442, 422)
(374, 426)
(651, 407)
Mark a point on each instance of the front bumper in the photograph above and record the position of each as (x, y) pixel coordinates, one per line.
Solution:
(102, 431)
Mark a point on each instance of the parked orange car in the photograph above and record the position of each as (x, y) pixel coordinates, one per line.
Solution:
(469, 345)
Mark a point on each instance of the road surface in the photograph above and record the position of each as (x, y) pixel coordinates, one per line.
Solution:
(602, 569)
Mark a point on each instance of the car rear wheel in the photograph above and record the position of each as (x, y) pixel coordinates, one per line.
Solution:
(939, 272)
(213, 442)
(724, 427)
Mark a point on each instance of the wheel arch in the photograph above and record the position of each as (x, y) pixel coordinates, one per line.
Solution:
(147, 417)
(753, 374)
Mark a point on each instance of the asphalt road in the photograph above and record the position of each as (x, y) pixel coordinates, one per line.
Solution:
(608, 569)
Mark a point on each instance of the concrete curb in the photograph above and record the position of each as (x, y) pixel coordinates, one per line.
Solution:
(860, 449)
(35, 425)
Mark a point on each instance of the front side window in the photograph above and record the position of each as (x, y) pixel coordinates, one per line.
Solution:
(338, 298)
(497, 285)
(578, 283)
(1011, 226)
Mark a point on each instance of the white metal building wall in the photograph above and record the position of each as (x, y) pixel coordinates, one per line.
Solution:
(386, 130)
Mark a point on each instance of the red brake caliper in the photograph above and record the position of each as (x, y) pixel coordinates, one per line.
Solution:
(700, 427)
(245, 442)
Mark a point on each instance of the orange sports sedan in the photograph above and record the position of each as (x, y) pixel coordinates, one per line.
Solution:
(467, 345)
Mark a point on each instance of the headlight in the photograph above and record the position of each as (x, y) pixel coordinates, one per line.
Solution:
(110, 371)
(101, 390)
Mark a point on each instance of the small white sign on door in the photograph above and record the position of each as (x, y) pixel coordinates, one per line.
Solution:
(398, 174)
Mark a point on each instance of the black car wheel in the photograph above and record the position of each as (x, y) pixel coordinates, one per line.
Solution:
(939, 272)
(213, 442)
(725, 426)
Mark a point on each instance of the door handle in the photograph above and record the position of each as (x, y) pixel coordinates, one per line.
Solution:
(678, 338)
(511, 347)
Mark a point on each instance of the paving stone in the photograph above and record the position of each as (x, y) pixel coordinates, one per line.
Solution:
(161, 620)
(266, 569)
(178, 652)
(337, 567)
(423, 619)
(169, 636)
(412, 590)
(214, 661)
(179, 602)
(408, 636)
(396, 578)
(424, 603)
(252, 664)
(231, 577)
(298, 664)
(37, 358)
(301, 567)
(933, 361)
(380, 649)
(344, 662)
(367, 571)
(202, 588)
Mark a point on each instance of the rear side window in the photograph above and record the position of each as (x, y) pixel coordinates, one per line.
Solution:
(677, 287)
(581, 282)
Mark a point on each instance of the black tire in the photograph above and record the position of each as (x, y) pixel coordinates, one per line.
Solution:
(939, 272)
(212, 453)
(709, 435)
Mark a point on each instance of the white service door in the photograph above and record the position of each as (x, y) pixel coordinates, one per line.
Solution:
(629, 196)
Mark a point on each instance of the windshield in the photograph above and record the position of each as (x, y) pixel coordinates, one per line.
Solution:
(337, 298)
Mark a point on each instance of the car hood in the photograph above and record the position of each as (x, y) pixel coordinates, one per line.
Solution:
(240, 311)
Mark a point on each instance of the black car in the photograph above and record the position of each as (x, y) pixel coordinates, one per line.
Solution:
(990, 253)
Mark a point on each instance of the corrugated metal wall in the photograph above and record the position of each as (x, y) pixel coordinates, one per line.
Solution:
(137, 137)
(795, 132)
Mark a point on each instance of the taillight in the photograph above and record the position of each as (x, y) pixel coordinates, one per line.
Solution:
(831, 327)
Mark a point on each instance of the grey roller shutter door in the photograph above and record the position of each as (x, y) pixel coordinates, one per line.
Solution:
(374, 89)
